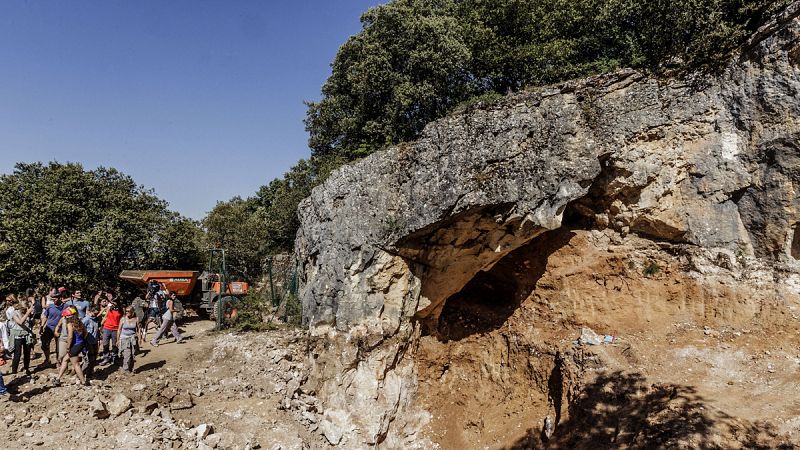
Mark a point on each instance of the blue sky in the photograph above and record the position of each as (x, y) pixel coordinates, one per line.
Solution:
(199, 100)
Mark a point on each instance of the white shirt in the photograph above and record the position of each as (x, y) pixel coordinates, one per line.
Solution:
(12, 324)
(168, 313)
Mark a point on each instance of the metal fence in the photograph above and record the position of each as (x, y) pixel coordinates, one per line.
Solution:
(281, 277)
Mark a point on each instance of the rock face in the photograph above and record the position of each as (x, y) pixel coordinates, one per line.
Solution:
(710, 162)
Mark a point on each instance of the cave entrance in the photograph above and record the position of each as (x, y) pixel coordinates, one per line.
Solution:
(487, 301)
(483, 300)
(794, 248)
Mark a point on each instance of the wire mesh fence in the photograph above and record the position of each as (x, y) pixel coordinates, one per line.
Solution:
(275, 300)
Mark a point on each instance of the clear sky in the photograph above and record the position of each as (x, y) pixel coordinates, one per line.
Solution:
(199, 100)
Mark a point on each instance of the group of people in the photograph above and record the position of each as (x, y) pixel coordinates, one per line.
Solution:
(81, 334)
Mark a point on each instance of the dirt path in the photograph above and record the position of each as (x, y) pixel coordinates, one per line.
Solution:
(215, 390)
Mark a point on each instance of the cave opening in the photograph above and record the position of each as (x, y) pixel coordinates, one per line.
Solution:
(487, 301)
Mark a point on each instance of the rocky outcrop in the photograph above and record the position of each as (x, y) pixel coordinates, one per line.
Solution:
(711, 161)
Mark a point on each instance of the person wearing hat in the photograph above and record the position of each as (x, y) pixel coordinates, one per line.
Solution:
(50, 320)
(76, 340)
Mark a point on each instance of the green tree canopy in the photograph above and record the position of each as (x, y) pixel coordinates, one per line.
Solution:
(415, 60)
(64, 225)
(235, 226)
(265, 224)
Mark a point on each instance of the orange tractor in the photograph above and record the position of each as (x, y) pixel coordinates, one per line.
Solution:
(204, 295)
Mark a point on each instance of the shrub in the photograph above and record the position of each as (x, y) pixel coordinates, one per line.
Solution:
(651, 268)
(251, 313)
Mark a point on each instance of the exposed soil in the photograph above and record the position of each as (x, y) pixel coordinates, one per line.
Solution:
(705, 362)
(237, 383)
(697, 362)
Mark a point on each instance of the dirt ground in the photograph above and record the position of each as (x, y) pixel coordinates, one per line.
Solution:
(706, 361)
(216, 390)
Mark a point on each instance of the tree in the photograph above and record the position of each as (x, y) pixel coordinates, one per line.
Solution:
(279, 199)
(408, 66)
(237, 227)
(62, 224)
(414, 61)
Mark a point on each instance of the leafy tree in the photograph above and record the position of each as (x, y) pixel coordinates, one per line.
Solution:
(236, 226)
(279, 199)
(62, 224)
(180, 243)
(415, 60)
(408, 66)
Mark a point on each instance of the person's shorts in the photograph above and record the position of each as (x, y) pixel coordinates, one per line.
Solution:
(154, 313)
(62, 348)
(76, 350)
(47, 336)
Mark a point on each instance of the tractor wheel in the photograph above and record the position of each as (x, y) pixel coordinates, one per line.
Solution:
(231, 306)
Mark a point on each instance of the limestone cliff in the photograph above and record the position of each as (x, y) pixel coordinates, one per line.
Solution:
(707, 165)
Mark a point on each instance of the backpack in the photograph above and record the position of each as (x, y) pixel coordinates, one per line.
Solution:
(179, 311)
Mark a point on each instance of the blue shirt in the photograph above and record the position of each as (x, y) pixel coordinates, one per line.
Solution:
(81, 305)
(92, 328)
(53, 314)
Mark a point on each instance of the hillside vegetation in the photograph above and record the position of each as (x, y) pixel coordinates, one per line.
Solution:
(68, 226)
(415, 61)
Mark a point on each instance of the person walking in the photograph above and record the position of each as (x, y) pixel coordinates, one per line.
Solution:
(168, 323)
(110, 328)
(138, 304)
(21, 335)
(50, 318)
(130, 338)
(62, 345)
(92, 326)
(154, 311)
(76, 337)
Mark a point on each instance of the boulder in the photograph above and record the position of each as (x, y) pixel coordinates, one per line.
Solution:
(335, 425)
(118, 404)
(202, 430)
(213, 440)
(97, 409)
(183, 400)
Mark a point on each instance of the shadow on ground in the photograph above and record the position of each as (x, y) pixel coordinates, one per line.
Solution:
(150, 366)
(621, 410)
